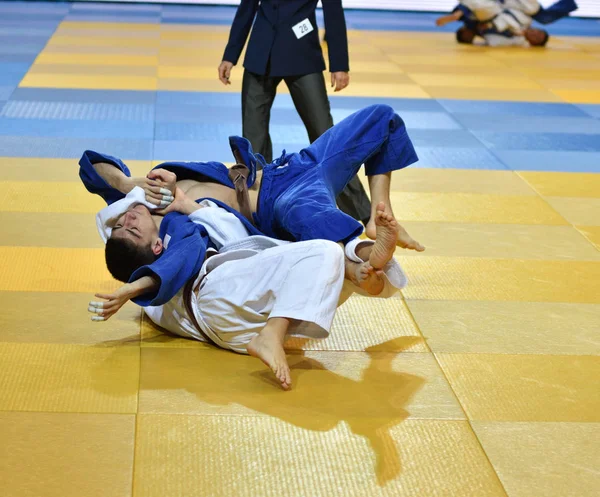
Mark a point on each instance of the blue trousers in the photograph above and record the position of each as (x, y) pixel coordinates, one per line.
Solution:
(298, 191)
(556, 11)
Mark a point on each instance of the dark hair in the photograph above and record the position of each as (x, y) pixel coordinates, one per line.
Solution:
(465, 35)
(123, 257)
(545, 40)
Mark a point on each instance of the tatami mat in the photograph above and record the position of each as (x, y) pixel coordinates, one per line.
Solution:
(480, 380)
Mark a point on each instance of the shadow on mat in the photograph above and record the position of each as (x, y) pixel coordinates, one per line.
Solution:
(367, 393)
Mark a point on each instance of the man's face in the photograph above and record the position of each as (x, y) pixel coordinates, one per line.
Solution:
(136, 225)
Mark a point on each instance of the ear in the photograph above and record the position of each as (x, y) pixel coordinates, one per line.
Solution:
(157, 246)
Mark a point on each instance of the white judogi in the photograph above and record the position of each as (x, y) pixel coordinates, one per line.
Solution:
(253, 278)
(508, 15)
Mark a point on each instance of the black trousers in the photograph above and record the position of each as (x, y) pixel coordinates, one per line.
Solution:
(310, 99)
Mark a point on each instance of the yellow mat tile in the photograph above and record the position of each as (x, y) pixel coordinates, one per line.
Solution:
(508, 327)
(452, 60)
(28, 168)
(344, 386)
(362, 323)
(66, 455)
(192, 71)
(474, 208)
(43, 317)
(369, 66)
(525, 387)
(206, 85)
(542, 72)
(580, 211)
(457, 181)
(123, 26)
(592, 233)
(88, 82)
(517, 95)
(568, 83)
(382, 90)
(502, 241)
(374, 458)
(543, 459)
(557, 184)
(579, 96)
(106, 32)
(147, 71)
(97, 59)
(49, 230)
(375, 77)
(68, 378)
(456, 278)
(467, 81)
(39, 196)
(33, 269)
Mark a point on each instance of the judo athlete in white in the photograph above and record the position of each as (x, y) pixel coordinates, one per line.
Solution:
(506, 22)
(256, 290)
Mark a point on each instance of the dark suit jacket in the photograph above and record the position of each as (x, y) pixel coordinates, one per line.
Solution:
(273, 46)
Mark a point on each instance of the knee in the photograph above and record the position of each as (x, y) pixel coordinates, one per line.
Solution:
(332, 252)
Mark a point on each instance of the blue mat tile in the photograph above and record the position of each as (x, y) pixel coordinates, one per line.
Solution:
(76, 129)
(537, 160)
(192, 150)
(27, 30)
(26, 58)
(510, 108)
(8, 79)
(27, 109)
(195, 131)
(20, 68)
(199, 98)
(95, 96)
(539, 141)
(86, 17)
(19, 146)
(590, 109)
(112, 8)
(2, 104)
(457, 158)
(527, 124)
(399, 104)
(444, 138)
(6, 91)
(39, 7)
(33, 49)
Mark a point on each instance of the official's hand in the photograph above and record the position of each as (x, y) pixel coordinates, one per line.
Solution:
(340, 80)
(225, 72)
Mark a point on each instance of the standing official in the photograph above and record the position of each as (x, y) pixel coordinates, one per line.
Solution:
(284, 45)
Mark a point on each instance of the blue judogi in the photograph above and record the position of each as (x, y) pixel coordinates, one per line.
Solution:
(185, 253)
(298, 191)
(297, 195)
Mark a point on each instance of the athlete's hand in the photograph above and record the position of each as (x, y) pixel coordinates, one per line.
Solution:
(182, 203)
(340, 80)
(112, 303)
(225, 72)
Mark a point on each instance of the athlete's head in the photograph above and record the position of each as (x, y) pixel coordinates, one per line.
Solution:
(536, 37)
(134, 242)
(465, 35)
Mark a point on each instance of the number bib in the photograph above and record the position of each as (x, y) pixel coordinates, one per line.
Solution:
(302, 28)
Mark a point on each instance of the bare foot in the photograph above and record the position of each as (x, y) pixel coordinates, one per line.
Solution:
(269, 349)
(369, 279)
(403, 239)
(385, 238)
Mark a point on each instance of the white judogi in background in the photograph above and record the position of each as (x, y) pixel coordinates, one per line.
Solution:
(253, 278)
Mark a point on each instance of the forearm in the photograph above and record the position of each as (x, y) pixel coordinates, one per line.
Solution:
(145, 284)
(115, 177)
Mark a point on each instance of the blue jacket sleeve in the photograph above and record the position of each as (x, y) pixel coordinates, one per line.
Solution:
(180, 261)
(239, 30)
(94, 182)
(337, 37)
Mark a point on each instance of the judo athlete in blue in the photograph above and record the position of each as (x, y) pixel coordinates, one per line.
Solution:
(297, 192)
